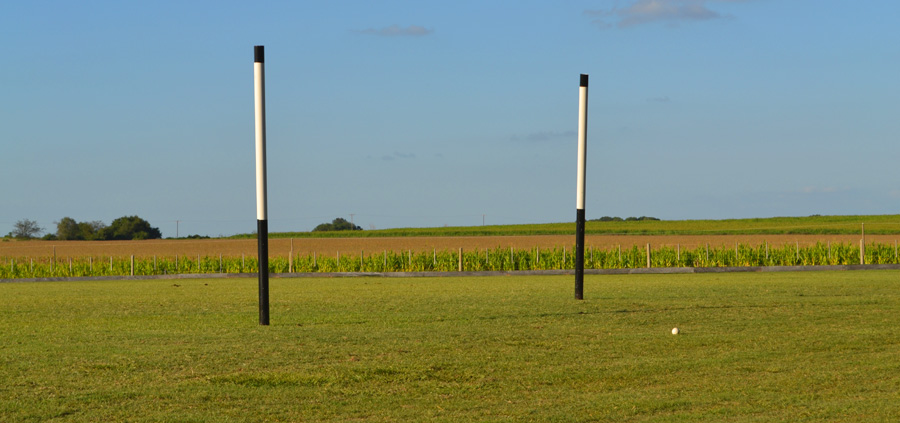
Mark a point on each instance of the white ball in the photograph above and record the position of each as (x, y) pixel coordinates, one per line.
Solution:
(675, 331)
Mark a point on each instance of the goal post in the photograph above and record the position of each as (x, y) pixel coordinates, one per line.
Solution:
(579, 196)
(262, 225)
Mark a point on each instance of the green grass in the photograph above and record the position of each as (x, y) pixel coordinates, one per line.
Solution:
(875, 224)
(760, 347)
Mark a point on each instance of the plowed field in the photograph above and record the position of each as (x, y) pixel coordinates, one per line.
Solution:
(330, 246)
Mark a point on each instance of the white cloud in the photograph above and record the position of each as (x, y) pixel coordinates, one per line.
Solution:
(397, 30)
(648, 11)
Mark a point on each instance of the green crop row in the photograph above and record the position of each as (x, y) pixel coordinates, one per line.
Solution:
(497, 259)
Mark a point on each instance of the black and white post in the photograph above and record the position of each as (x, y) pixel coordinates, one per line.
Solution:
(579, 200)
(262, 225)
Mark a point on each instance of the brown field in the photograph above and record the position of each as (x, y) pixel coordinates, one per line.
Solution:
(330, 246)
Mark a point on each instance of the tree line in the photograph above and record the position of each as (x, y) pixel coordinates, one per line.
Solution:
(68, 229)
(339, 224)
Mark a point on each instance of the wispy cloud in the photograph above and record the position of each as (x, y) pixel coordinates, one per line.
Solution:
(649, 11)
(398, 31)
(818, 190)
(398, 155)
(543, 136)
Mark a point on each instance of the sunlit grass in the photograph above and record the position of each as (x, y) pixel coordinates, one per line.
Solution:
(811, 346)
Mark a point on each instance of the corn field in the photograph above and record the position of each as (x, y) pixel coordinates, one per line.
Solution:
(497, 259)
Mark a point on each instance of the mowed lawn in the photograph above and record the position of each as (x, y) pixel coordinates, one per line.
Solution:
(755, 347)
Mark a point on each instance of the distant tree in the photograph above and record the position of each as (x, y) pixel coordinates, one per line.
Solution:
(339, 224)
(91, 230)
(610, 219)
(129, 227)
(26, 229)
(68, 229)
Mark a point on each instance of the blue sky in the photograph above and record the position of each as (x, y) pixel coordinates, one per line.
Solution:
(432, 113)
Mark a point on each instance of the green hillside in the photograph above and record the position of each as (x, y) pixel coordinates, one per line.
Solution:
(875, 224)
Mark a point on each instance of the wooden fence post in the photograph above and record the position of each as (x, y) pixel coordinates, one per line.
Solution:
(862, 245)
(862, 251)
(460, 259)
(648, 255)
(132, 265)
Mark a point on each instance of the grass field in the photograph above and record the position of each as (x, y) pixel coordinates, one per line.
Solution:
(811, 346)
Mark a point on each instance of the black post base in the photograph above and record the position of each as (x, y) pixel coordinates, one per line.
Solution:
(579, 255)
(262, 228)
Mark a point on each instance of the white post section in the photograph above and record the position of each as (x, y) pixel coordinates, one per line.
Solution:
(262, 224)
(582, 140)
(259, 90)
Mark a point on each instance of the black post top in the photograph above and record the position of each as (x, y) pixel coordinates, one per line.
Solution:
(584, 80)
(258, 55)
